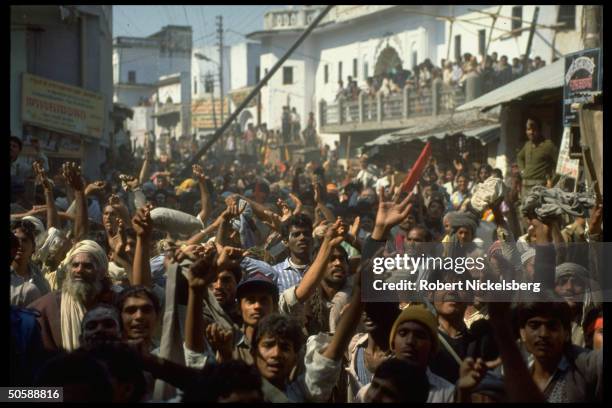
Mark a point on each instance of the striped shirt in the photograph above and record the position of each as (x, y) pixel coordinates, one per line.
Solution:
(284, 274)
(288, 274)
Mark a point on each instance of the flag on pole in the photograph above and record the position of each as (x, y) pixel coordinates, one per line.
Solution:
(417, 169)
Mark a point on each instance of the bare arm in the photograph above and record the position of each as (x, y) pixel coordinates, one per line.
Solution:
(315, 273)
(200, 275)
(206, 205)
(318, 196)
(520, 387)
(72, 174)
(144, 170)
(142, 224)
(200, 236)
(347, 324)
(52, 216)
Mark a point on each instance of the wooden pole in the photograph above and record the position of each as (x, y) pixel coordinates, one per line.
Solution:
(187, 169)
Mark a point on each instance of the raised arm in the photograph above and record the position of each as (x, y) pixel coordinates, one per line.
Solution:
(72, 174)
(348, 322)
(200, 275)
(314, 274)
(146, 164)
(200, 236)
(389, 214)
(206, 205)
(115, 201)
(520, 387)
(53, 219)
(143, 225)
(232, 211)
(320, 202)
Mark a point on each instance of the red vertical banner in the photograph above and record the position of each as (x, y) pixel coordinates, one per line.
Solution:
(417, 169)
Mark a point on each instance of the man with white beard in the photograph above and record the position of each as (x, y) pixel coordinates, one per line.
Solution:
(85, 285)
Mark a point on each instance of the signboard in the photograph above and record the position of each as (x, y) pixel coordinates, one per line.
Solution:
(55, 105)
(566, 166)
(583, 77)
(202, 113)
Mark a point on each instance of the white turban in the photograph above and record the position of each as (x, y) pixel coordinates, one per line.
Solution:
(72, 311)
(41, 231)
(89, 247)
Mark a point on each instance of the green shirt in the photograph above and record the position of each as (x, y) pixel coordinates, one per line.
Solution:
(538, 162)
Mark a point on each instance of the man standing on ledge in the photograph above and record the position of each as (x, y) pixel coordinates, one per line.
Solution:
(537, 159)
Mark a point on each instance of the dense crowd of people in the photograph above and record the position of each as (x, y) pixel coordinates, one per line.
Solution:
(243, 282)
(494, 73)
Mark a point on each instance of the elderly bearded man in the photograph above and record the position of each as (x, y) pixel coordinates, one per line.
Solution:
(85, 285)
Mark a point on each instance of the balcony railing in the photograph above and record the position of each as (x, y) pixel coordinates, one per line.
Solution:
(283, 19)
(410, 103)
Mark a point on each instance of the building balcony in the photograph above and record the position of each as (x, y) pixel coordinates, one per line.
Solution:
(389, 112)
(290, 19)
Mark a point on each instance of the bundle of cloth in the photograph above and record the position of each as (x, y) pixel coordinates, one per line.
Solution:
(545, 203)
(487, 194)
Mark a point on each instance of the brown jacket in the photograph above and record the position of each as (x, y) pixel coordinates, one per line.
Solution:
(50, 317)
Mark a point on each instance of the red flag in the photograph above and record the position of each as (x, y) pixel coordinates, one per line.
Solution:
(417, 169)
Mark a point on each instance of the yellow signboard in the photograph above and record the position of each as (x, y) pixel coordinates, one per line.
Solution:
(202, 115)
(55, 105)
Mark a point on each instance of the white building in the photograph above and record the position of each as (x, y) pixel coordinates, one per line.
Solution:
(361, 41)
(240, 73)
(141, 66)
(61, 57)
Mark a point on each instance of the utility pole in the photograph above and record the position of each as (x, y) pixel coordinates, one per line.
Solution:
(211, 85)
(220, 38)
(592, 27)
(491, 32)
(530, 40)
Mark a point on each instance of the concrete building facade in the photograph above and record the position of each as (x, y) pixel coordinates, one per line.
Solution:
(57, 46)
(144, 76)
(359, 41)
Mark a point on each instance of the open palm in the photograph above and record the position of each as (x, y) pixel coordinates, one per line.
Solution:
(389, 213)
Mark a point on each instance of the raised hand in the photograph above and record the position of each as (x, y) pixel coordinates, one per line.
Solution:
(128, 182)
(41, 175)
(203, 271)
(95, 187)
(198, 173)
(335, 233)
(72, 174)
(543, 232)
(220, 340)
(595, 220)
(318, 194)
(142, 223)
(119, 240)
(229, 257)
(285, 210)
(298, 204)
(389, 214)
(232, 211)
(354, 230)
(471, 373)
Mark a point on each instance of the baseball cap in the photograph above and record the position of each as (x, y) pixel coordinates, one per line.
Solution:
(256, 281)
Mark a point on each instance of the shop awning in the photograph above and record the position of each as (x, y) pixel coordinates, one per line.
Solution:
(549, 77)
(472, 124)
